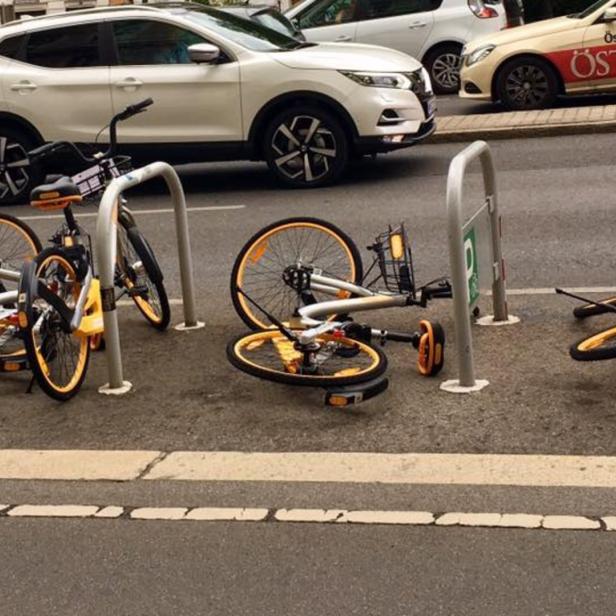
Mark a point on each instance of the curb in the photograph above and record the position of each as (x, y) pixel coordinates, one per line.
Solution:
(515, 132)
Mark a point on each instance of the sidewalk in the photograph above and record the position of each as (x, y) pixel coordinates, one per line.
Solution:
(513, 124)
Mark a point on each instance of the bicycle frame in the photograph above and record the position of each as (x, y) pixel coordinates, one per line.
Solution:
(368, 300)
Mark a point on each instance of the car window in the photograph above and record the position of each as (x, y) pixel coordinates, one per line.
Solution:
(141, 41)
(69, 47)
(375, 9)
(10, 47)
(328, 12)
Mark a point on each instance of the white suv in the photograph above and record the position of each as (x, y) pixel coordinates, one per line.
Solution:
(433, 30)
(224, 88)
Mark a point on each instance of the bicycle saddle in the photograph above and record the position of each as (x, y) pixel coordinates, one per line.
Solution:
(56, 195)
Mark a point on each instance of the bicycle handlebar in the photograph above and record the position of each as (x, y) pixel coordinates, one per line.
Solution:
(51, 148)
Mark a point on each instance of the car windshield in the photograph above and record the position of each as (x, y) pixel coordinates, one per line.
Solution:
(244, 32)
(590, 10)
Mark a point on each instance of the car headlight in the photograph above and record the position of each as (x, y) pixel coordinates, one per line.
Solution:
(398, 81)
(479, 54)
(427, 80)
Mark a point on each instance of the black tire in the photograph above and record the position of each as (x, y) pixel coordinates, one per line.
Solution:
(252, 354)
(597, 347)
(58, 359)
(16, 181)
(251, 315)
(321, 155)
(443, 64)
(431, 348)
(527, 83)
(18, 243)
(591, 310)
(153, 303)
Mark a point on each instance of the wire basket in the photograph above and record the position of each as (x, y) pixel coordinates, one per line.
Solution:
(94, 179)
(395, 260)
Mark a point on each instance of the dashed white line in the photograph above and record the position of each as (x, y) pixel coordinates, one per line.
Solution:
(492, 520)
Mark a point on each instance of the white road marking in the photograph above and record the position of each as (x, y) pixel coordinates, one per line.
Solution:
(206, 208)
(569, 522)
(159, 513)
(320, 516)
(230, 514)
(308, 515)
(411, 518)
(323, 467)
(53, 511)
(446, 469)
(86, 465)
(550, 290)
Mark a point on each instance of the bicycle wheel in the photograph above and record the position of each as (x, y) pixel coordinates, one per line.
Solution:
(262, 262)
(58, 358)
(597, 347)
(336, 360)
(431, 348)
(18, 243)
(591, 310)
(139, 273)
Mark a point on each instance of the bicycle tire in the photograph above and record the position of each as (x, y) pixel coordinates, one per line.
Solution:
(431, 357)
(599, 346)
(18, 244)
(47, 344)
(351, 270)
(591, 310)
(253, 354)
(153, 304)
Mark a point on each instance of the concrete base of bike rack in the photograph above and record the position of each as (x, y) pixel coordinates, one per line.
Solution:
(454, 387)
(488, 321)
(115, 391)
(182, 327)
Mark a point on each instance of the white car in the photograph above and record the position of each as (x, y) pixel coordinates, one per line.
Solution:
(224, 88)
(432, 30)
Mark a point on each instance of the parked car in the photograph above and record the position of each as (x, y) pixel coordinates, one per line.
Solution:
(225, 88)
(528, 67)
(433, 31)
(266, 16)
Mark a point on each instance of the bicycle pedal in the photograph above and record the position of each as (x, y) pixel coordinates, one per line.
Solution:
(355, 394)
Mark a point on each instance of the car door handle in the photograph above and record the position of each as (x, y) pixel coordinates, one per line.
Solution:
(130, 83)
(23, 86)
(418, 24)
(343, 38)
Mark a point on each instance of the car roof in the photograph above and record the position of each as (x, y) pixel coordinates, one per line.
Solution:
(77, 17)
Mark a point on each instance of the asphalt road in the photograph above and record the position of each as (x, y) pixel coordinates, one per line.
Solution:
(556, 196)
(557, 201)
(183, 568)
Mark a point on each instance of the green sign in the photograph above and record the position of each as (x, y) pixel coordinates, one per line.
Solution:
(472, 273)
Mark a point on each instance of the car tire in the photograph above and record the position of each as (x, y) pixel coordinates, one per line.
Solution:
(306, 147)
(443, 64)
(17, 176)
(527, 83)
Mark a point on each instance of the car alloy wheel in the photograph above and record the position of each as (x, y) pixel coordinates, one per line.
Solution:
(304, 149)
(446, 72)
(527, 86)
(14, 169)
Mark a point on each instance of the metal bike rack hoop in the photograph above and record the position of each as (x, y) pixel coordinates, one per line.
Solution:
(458, 259)
(106, 246)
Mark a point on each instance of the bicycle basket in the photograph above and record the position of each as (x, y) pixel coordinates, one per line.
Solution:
(395, 260)
(93, 180)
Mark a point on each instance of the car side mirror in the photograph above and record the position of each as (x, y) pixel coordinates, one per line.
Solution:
(203, 53)
(609, 15)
